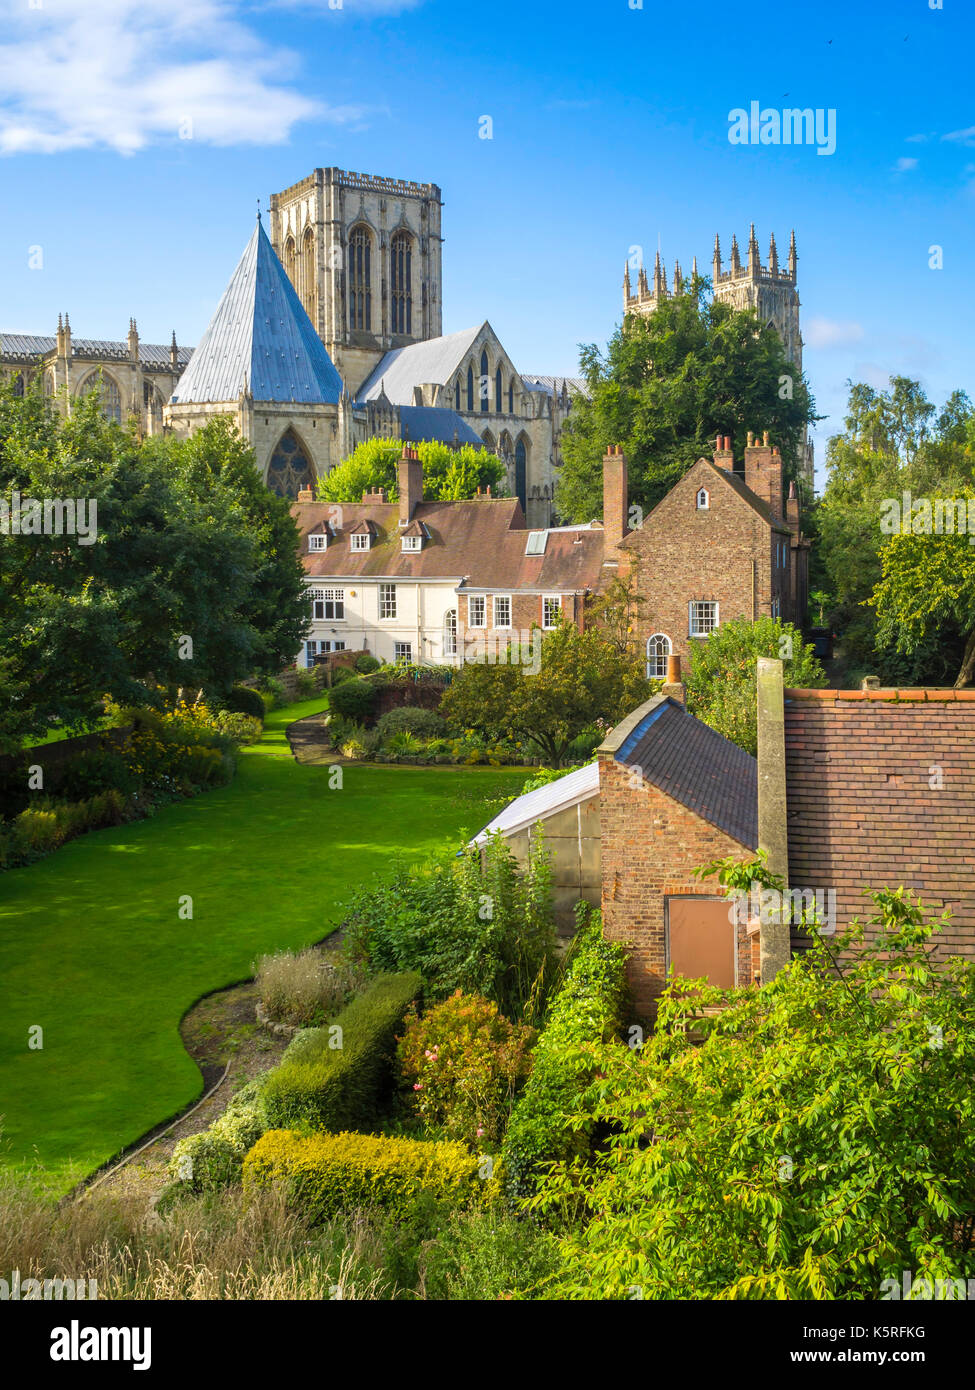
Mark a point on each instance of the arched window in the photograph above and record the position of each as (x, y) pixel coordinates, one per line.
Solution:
(19, 384)
(360, 279)
(110, 398)
(658, 649)
(488, 439)
(290, 468)
(450, 633)
(457, 394)
(470, 388)
(511, 398)
(401, 283)
(149, 398)
(485, 384)
(703, 500)
(521, 472)
(308, 277)
(498, 392)
(291, 260)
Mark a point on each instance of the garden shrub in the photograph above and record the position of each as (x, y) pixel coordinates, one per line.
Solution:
(484, 926)
(411, 719)
(586, 1011)
(818, 1144)
(337, 1080)
(340, 674)
(215, 1157)
(306, 686)
(246, 701)
(48, 824)
(324, 1174)
(353, 699)
(365, 664)
(465, 1063)
(303, 987)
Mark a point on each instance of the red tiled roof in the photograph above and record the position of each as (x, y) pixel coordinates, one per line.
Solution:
(880, 793)
(482, 541)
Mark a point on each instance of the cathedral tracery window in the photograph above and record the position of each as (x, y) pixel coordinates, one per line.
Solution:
(109, 396)
(19, 384)
(291, 260)
(498, 392)
(360, 279)
(521, 471)
(470, 388)
(308, 278)
(485, 384)
(290, 468)
(401, 283)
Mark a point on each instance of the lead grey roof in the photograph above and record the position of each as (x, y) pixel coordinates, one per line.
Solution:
(429, 422)
(261, 340)
(434, 360)
(697, 766)
(554, 383)
(33, 344)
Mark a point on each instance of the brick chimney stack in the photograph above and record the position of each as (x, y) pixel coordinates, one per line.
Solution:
(792, 508)
(615, 497)
(410, 471)
(763, 472)
(723, 455)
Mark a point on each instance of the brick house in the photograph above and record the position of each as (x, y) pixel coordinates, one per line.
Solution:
(673, 795)
(722, 544)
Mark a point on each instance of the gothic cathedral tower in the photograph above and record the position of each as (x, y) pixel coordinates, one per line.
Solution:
(364, 254)
(770, 290)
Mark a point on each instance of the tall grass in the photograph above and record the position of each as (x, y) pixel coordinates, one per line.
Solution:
(303, 987)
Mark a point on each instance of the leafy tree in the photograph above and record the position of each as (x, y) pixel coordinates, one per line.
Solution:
(179, 554)
(817, 1144)
(928, 585)
(449, 475)
(583, 678)
(666, 387)
(721, 684)
(892, 442)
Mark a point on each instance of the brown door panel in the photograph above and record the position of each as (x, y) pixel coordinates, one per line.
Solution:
(701, 940)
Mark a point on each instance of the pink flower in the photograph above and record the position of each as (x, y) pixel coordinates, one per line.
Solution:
(418, 1085)
(480, 1131)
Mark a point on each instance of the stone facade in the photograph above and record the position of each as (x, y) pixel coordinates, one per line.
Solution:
(135, 379)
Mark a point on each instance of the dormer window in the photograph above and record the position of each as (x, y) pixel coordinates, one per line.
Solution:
(319, 541)
(360, 540)
(413, 536)
(412, 542)
(703, 500)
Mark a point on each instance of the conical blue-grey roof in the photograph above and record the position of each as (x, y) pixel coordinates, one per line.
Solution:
(260, 340)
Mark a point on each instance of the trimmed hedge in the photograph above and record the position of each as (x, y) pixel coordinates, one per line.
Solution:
(588, 1008)
(326, 1173)
(335, 1080)
(353, 699)
(411, 719)
(246, 701)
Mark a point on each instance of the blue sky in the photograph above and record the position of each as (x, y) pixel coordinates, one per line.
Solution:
(610, 129)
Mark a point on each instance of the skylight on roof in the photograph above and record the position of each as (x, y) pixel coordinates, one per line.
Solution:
(537, 541)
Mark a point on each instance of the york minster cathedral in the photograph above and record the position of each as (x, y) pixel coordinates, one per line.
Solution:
(329, 332)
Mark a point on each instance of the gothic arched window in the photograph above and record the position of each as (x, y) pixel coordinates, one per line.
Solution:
(109, 396)
(498, 392)
(290, 468)
(19, 384)
(485, 384)
(511, 398)
(306, 292)
(360, 279)
(291, 260)
(470, 388)
(521, 472)
(658, 649)
(401, 283)
(457, 394)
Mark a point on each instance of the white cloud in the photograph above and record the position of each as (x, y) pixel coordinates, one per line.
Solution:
(917, 139)
(122, 74)
(830, 333)
(905, 165)
(963, 137)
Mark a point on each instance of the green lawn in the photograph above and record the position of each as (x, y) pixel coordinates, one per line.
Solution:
(92, 947)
